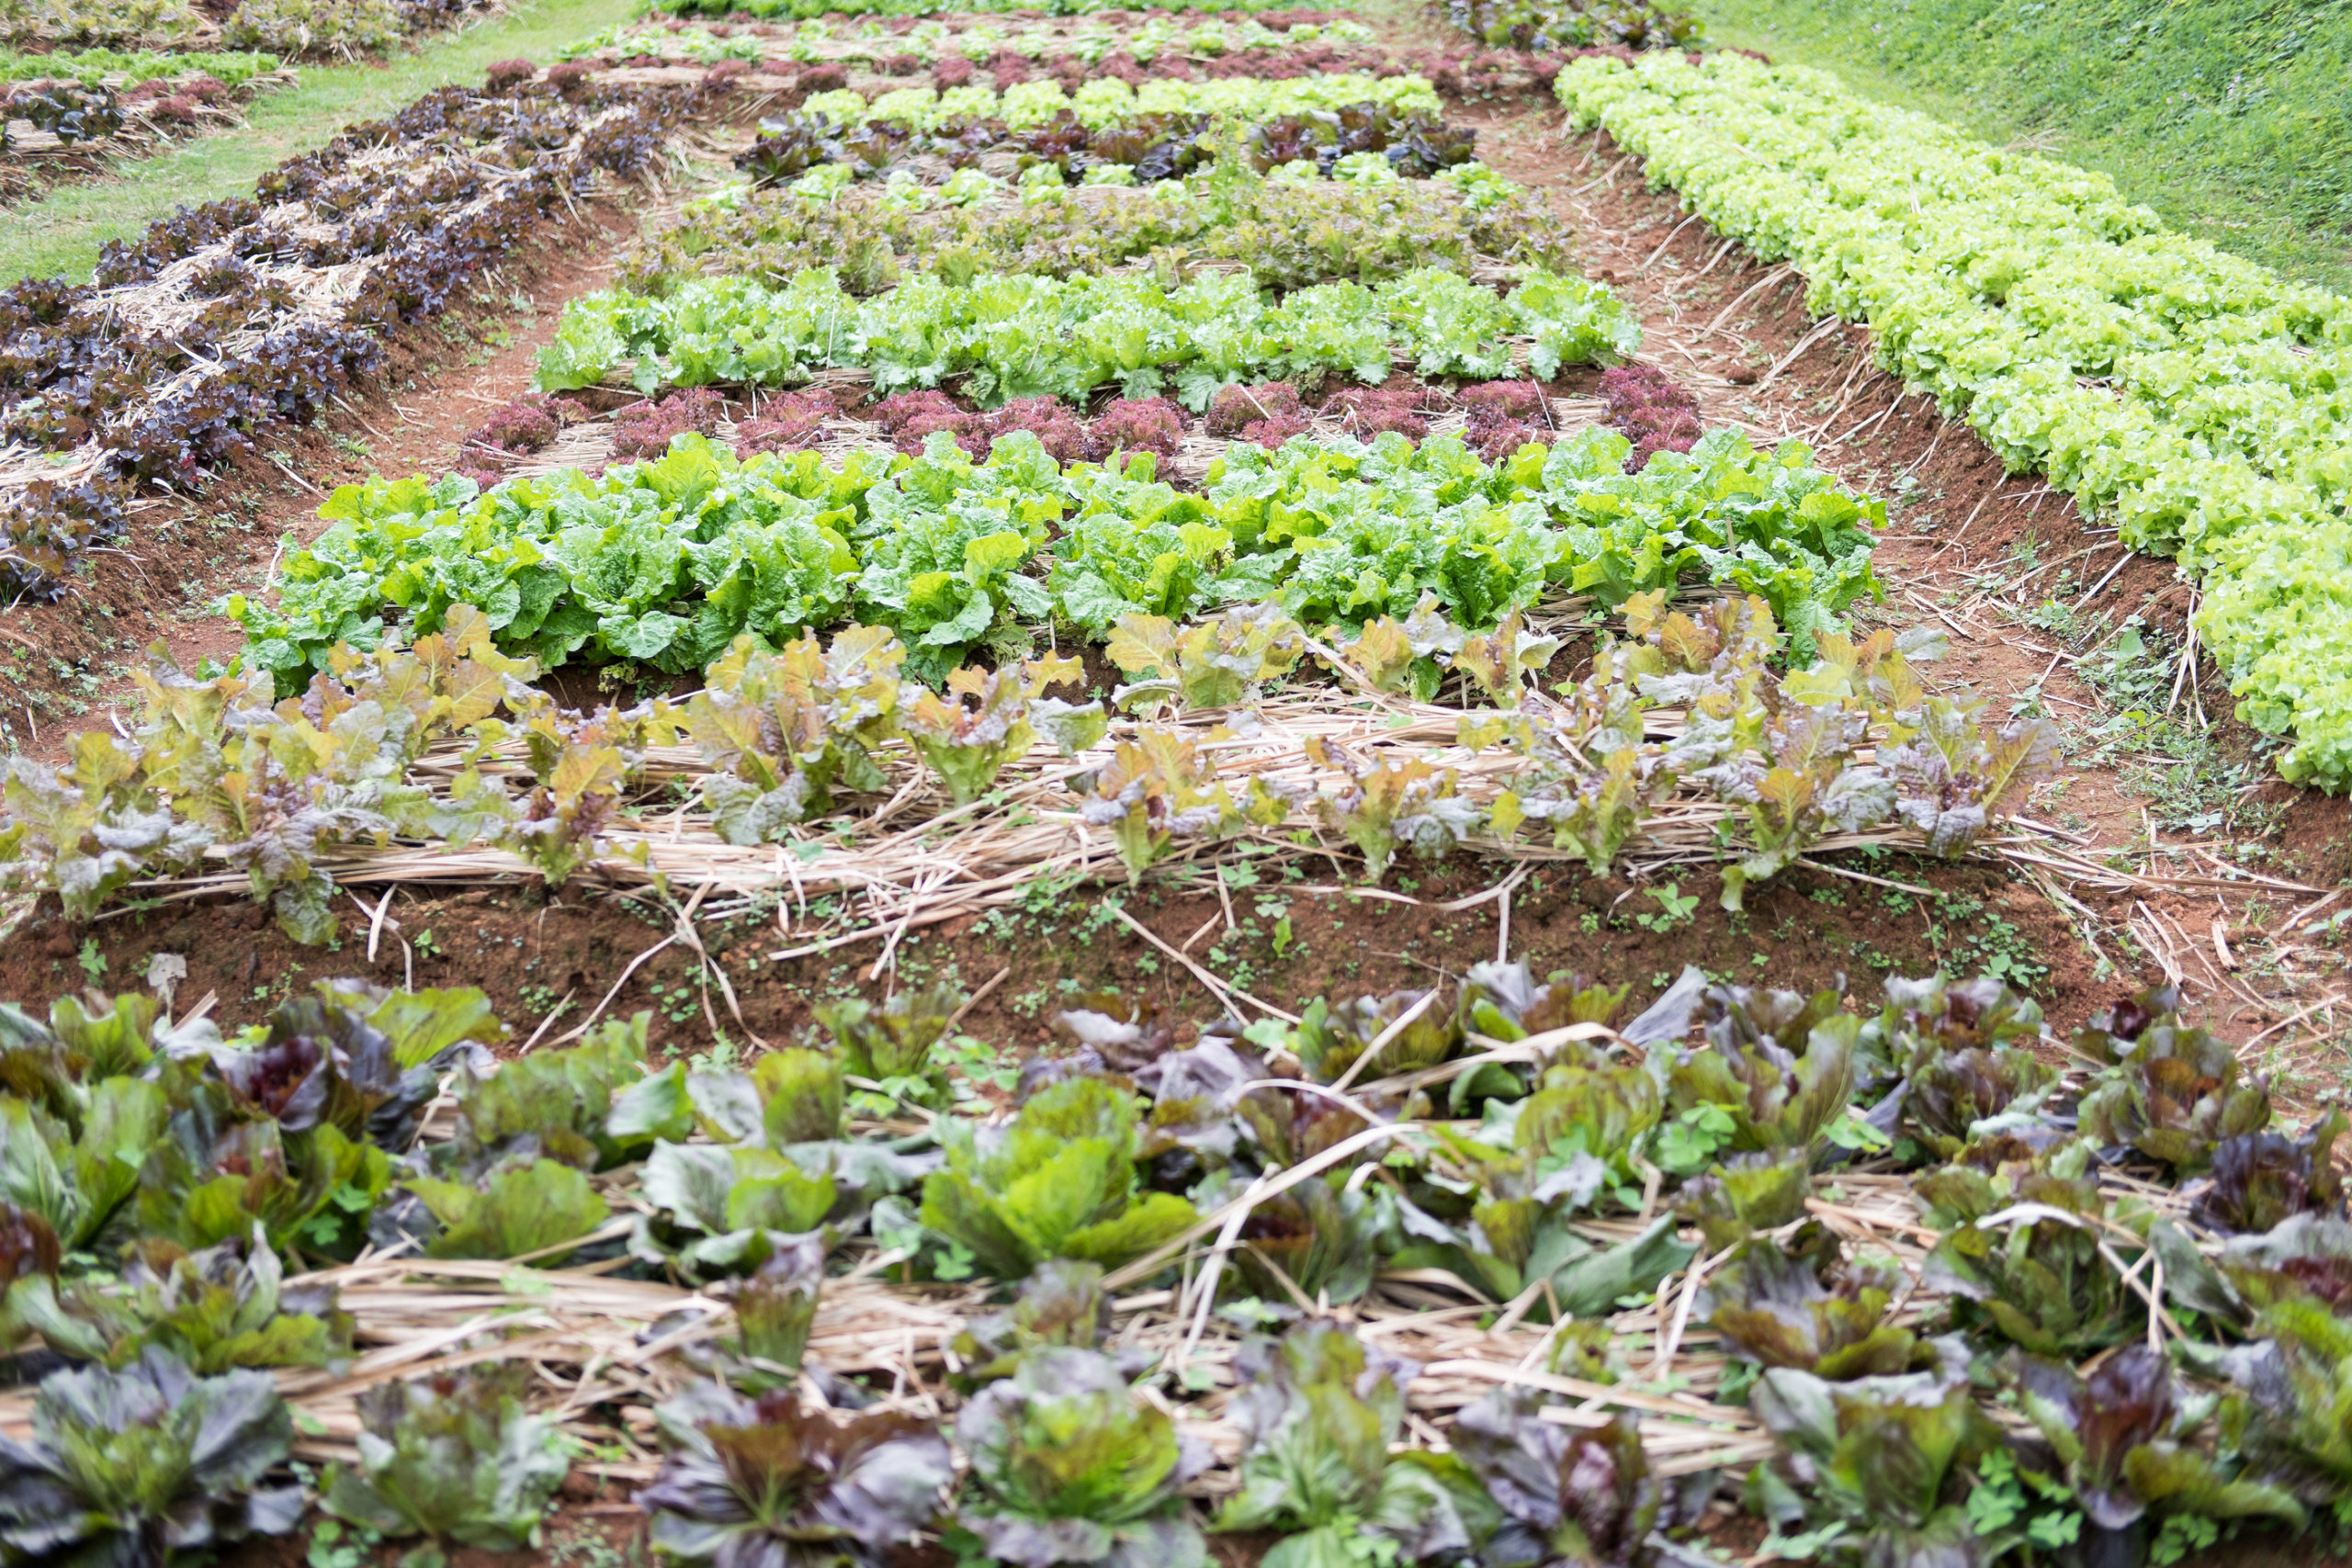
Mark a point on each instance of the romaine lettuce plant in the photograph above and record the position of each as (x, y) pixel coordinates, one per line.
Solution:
(2036, 1276)
(892, 1044)
(2123, 1447)
(1820, 1313)
(74, 1180)
(2170, 1091)
(127, 1467)
(1567, 1494)
(1317, 1411)
(1318, 1236)
(1742, 1194)
(591, 1106)
(768, 1483)
(776, 1304)
(526, 1208)
(1061, 1304)
(1073, 1468)
(225, 1306)
(1778, 1065)
(455, 1456)
(2263, 1179)
(1330, 1038)
(1518, 1232)
(1875, 1468)
(1057, 1182)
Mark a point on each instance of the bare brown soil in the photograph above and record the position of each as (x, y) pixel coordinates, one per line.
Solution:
(530, 951)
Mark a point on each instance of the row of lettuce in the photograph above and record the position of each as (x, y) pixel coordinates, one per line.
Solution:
(2198, 400)
(1017, 335)
(666, 561)
(975, 39)
(159, 1181)
(214, 323)
(446, 745)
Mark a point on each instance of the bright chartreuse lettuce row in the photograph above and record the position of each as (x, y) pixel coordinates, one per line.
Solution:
(1107, 101)
(231, 68)
(1019, 335)
(766, 10)
(666, 562)
(2202, 401)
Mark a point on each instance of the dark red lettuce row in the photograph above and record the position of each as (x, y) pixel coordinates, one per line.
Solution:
(220, 321)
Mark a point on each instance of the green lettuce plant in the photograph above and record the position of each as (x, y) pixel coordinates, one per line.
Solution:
(1061, 1304)
(1073, 1468)
(1056, 1181)
(892, 1044)
(126, 1467)
(76, 1180)
(1318, 1414)
(225, 1306)
(2023, 1259)
(455, 1456)
(1873, 1468)
(1805, 1306)
(591, 1106)
(1780, 1067)
(2125, 1448)
(519, 1210)
(775, 1304)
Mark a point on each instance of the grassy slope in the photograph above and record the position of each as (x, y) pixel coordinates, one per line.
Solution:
(60, 235)
(2232, 118)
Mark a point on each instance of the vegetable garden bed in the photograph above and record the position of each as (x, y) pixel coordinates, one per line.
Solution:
(1193, 842)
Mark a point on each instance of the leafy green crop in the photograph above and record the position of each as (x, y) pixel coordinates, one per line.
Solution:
(1074, 1469)
(1021, 335)
(1318, 1412)
(1057, 1182)
(2197, 399)
(1881, 1461)
(456, 1457)
(1567, 1494)
(226, 1306)
(1291, 234)
(126, 1466)
(769, 1482)
(948, 553)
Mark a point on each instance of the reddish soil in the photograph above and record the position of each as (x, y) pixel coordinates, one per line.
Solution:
(528, 952)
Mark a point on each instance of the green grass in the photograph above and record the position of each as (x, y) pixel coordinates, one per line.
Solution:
(60, 235)
(2231, 117)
